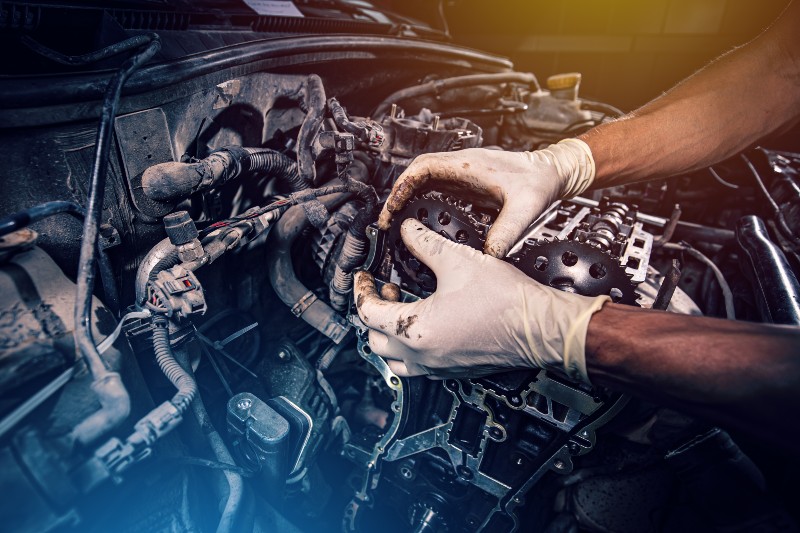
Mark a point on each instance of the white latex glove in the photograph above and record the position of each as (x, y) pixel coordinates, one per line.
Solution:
(485, 316)
(523, 184)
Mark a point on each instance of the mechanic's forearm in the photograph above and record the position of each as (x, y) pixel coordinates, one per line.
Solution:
(724, 108)
(733, 373)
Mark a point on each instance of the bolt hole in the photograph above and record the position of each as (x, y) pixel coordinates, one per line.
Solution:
(367, 349)
(149, 156)
(597, 271)
(616, 295)
(444, 218)
(541, 263)
(564, 284)
(394, 380)
(462, 236)
(569, 258)
(422, 214)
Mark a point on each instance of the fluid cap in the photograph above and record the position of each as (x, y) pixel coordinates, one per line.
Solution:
(180, 228)
(564, 86)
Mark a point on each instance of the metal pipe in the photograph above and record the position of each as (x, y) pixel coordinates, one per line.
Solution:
(669, 227)
(314, 106)
(668, 286)
(727, 294)
(162, 255)
(438, 86)
(769, 273)
(108, 386)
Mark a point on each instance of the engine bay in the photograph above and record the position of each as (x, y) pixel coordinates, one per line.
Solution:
(239, 200)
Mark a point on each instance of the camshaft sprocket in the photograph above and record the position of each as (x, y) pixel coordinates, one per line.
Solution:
(577, 267)
(447, 216)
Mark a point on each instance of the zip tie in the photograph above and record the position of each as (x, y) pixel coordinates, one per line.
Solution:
(109, 341)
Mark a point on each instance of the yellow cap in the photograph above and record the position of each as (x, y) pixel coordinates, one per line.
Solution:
(563, 81)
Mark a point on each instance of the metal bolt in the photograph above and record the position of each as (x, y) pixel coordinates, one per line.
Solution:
(283, 355)
(559, 464)
(435, 122)
(244, 404)
(393, 112)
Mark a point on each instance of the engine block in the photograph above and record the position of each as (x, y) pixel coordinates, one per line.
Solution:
(481, 444)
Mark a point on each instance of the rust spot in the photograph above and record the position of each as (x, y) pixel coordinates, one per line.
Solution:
(403, 325)
(465, 165)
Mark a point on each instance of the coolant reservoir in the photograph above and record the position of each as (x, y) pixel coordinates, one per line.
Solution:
(558, 108)
(564, 86)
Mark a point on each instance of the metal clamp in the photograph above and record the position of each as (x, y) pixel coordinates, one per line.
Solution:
(304, 303)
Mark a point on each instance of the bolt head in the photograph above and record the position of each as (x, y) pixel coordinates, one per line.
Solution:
(244, 404)
(559, 464)
(283, 355)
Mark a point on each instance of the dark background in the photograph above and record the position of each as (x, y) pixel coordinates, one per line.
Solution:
(629, 51)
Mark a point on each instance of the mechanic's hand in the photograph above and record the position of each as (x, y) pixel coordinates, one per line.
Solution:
(523, 184)
(485, 316)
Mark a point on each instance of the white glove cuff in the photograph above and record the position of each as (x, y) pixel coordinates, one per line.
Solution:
(574, 163)
(575, 340)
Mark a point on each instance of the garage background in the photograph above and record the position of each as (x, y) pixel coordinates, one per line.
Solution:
(629, 51)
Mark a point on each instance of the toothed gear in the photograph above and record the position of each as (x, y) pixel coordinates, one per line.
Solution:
(576, 267)
(447, 216)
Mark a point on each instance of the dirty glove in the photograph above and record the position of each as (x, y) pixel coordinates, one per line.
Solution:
(524, 184)
(485, 316)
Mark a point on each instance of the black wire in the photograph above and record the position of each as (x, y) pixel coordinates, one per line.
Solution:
(84, 340)
(36, 213)
(91, 57)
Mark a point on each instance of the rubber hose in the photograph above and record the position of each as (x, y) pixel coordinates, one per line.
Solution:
(173, 181)
(277, 164)
(282, 276)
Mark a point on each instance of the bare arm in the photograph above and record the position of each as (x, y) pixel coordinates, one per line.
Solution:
(738, 99)
(738, 374)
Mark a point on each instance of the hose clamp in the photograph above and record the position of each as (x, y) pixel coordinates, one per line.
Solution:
(304, 303)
